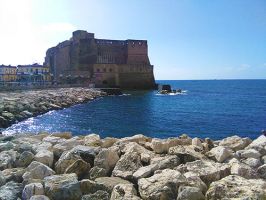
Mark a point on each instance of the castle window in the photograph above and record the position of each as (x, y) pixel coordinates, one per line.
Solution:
(98, 70)
(104, 69)
(110, 70)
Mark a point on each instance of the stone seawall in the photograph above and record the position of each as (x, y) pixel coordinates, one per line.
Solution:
(59, 166)
(17, 106)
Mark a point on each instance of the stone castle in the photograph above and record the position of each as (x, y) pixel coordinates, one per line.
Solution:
(106, 63)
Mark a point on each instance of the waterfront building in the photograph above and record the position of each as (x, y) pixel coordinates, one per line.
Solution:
(35, 73)
(7, 73)
(106, 63)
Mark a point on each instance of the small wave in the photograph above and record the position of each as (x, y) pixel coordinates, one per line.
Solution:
(173, 94)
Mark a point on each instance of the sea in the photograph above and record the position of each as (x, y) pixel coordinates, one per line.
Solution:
(205, 108)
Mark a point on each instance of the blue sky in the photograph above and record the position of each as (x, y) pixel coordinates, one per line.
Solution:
(188, 39)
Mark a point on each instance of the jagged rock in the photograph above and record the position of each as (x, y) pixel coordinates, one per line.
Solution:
(263, 159)
(39, 197)
(123, 192)
(69, 157)
(220, 153)
(106, 159)
(162, 146)
(2, 179)
(248, 153)
(89, 187)
(252, 162)
(80, 167)
(197, 142)
(8, 159)
(146, 171)
(258, 144)
(53, 140)
(11, 191)
(168, 161)
(97, 172)
(127, 165)
(208, 171)
(6, 146)
(37, 170)
(235, 142)
(195, 181)
(110, 182)
(64, 135)
(66, 145)
(65, 186)
(42, 146)
(46, 157)
(139, 138)
(162, 185)
(99, 195)
(25, 159)
(108, 142)
(262, 171)
(237, 187)
(241, 169)
(14, 174)
(191, 193)
(135, 147)
(31, 190)
(92, 140)
(185, 153)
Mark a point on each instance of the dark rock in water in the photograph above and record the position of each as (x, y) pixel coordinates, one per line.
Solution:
(165, 87)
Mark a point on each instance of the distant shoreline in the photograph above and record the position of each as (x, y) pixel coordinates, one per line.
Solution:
(18, 106)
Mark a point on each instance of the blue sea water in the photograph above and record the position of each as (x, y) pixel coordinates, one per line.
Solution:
(211, 108)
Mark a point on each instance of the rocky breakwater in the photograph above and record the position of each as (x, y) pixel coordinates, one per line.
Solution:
(59, 166)
(17, 106)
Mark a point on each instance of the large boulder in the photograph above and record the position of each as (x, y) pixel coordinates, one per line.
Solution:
(235, 142)
(191, 193)
(92, 140)
(97, 172)
(124, 191)
(25, 159)
(99, 195)
(259, 144)
(66, 145)
(69, 157)
(106, 159)
(89, 187)
(220, 153)
(145, 171)
(110, 182)
(65, 186)
(262, 171)
(31, 190)
(8, 159)
(80, 167)
(244, 170)
(11, 191)
(14, 174)
(237, 187)
(162, 185)
(37, 170)
(185, 153)
(53, 139)
(166, 162)
(127, 165)
(208, 171)
(46, 157)
(248, 153)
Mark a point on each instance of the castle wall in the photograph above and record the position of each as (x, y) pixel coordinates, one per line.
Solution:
(109, 63)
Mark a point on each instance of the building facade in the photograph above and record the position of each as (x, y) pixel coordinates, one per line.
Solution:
(8, 73)
(107, 63)
(35, 73)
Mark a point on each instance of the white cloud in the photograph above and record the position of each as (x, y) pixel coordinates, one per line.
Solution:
(58, 27)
